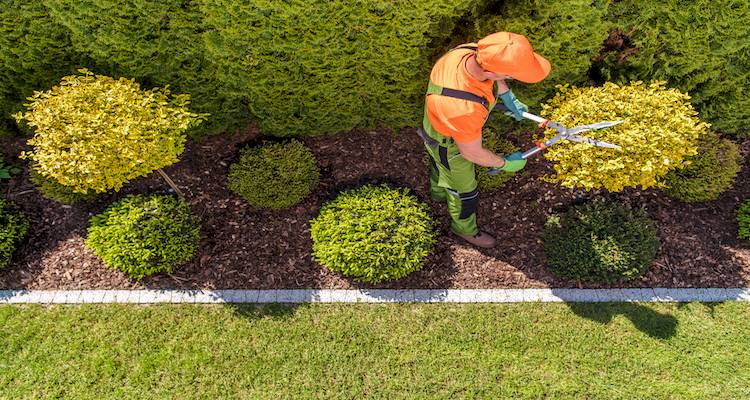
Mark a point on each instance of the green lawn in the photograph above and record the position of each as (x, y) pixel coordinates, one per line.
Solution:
(430, 351)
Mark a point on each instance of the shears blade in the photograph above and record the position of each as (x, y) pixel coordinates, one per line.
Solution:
(599, 143)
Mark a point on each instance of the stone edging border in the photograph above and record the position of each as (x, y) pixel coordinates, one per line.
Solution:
(372, 296)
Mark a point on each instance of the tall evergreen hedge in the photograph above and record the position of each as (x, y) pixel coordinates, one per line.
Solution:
(701, 47)
(35, 52)
(324, 66)
(157, 42)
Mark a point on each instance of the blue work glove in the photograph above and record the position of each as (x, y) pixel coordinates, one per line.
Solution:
(513, 163)
(515, 107)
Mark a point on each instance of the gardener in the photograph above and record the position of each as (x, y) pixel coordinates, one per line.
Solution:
(459, 99)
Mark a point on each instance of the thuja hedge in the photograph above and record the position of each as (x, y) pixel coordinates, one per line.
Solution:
(700, 47)
(35, 51)
(324, 66)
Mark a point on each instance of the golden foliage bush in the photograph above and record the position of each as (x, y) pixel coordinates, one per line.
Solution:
(661, 129)
(93, 132)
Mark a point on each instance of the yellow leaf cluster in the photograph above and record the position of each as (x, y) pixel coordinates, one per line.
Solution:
(93, 132)
(661, 128)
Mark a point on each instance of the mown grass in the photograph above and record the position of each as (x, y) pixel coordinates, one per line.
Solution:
(430, 351)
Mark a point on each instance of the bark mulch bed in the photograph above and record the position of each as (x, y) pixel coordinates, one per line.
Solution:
(247, 248)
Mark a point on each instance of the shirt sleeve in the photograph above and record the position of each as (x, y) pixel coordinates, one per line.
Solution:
(460, 119)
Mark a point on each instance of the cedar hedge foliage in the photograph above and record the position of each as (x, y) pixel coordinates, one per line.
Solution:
(13, 228)
(709, 173)
(743, 220)
(373, 234)
(143, 235)
(600, 242)
(700, 47)
(35, 51)
(328, 66)
(274, 175)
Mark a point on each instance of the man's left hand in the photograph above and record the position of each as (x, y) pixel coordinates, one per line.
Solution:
(515, 107)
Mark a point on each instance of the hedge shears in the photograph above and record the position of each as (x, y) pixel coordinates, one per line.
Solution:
(571, 134)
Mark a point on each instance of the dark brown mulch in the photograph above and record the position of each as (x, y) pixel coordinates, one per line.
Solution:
(243, 247)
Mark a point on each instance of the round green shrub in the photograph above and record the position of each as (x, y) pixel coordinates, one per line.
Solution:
(53, 190)
(274, 175)
(497, 145)
(373, 234)
(600, 242)
(710, 172)
(143, 235)
(13, 228)
(743, 220)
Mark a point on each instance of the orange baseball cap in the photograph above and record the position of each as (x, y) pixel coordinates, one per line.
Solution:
(511, 54)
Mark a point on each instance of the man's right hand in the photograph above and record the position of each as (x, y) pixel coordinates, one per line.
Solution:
(513, 163)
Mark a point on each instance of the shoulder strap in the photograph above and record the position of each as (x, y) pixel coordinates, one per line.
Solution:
(456, 94)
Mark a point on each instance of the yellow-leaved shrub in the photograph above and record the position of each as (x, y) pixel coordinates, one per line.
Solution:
(661, 129)
(94, 132)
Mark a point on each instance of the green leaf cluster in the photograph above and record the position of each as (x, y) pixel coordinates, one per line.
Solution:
(707, 174)
(600, 242)
(568, 33)
(700, 47)
(660, 130)
(97, 133)
(144, 235)
(373, 233)
(13, 228)
(326, 66)
(35, 51)
(158, 42)
(743, 220)
(498, 145)
(7, 170)
(274, 175)
(53, 190)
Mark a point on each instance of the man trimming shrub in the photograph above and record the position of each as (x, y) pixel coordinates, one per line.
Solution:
(143, 235)
(709, 173)
(97, 133)
(13, 228)
(600, 242)
(373, 234)
(274, 175)
(660, 130)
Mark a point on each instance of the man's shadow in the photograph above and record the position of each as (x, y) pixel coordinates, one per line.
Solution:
(647, 320)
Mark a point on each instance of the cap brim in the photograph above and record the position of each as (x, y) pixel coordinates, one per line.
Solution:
(535, 72)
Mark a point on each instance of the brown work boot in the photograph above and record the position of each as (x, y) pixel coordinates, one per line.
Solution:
(481, 239)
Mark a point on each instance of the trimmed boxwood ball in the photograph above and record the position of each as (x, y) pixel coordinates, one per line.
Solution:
(142, 235)
(600, 242)
(13, 228)
(274, 175)
(373, 233)
(743, 220)
(710, 172)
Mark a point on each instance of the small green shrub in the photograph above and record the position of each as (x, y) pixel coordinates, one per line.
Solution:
(743, 220)
(53, 190)
(274, 175)
(373, 233)
(709, 173)
(7, 170)
(600, 242)
(13, 228)
(143, 235)
(498, 145)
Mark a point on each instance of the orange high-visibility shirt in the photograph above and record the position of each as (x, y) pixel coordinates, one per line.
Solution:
(460, 119)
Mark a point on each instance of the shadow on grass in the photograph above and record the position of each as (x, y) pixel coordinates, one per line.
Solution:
(261, 311)
(648, 321)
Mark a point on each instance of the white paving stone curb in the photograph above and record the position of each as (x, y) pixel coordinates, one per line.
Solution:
(372, 296)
